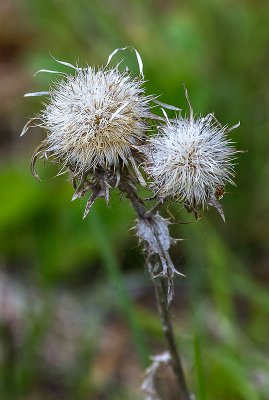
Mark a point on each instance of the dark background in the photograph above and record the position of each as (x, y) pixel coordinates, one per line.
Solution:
(77, 311)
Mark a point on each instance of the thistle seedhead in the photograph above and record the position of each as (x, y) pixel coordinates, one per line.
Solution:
(191, 160)
(94, 119)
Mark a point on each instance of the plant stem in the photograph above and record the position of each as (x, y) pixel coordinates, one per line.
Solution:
(160, 288)
(160, 284)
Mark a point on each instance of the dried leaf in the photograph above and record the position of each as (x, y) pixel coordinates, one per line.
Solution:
(149, 383)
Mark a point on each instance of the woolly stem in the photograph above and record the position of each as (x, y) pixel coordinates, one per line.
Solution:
(161, 294)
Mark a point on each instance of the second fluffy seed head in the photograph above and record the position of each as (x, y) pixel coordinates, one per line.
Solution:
(190, 160)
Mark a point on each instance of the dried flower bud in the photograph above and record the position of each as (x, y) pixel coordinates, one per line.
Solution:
(191, 160)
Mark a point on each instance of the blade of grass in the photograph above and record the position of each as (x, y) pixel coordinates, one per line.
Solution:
(200, 379)
(113, 270)
(219, 271)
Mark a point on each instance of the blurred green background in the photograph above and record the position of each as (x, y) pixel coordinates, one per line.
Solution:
(77, 310)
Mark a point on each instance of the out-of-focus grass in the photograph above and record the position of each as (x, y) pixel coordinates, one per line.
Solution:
(112, 267)
(220, 50)
(222, 299)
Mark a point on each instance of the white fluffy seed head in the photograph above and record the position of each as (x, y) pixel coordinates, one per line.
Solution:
(95, 118)
(191, 160)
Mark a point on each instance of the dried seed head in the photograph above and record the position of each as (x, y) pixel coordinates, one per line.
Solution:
(191, 160)
(95, 122)
(94, 118)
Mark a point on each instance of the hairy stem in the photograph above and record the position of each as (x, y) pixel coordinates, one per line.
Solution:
(160, 285)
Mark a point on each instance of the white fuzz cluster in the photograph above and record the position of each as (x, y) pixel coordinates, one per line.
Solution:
(191, 160)
(94, 118)
(96, 122)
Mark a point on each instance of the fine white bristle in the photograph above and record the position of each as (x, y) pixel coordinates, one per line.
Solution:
(190, 159)
(94, 118)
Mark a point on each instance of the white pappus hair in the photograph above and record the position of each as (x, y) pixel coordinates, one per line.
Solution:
(94, 118)
(191, 160)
